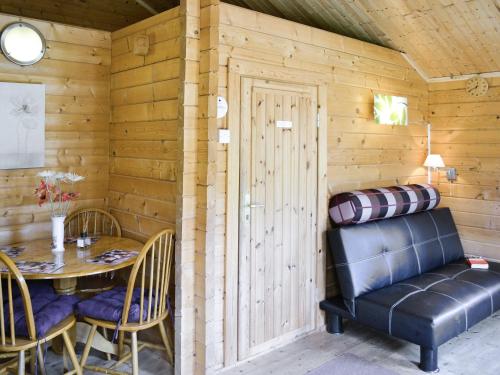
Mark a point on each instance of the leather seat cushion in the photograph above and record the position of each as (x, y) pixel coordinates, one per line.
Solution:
(434, 307)
(109, 305)
(375, 255)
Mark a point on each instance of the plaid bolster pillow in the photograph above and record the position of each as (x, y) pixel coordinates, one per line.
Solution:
(360, 206)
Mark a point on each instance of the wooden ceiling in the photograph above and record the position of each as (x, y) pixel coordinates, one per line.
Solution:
(98, 14)
(443, 37)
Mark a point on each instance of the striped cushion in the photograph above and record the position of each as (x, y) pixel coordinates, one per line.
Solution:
(360, 206)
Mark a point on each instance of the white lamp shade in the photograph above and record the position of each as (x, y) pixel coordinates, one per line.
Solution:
(434, 161)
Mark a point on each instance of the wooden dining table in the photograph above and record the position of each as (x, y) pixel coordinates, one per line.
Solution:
(75, 262)
(72, 264)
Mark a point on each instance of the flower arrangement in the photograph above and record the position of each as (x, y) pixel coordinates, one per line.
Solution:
(51, 190)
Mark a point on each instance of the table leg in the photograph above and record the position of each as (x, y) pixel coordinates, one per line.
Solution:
(65, 286)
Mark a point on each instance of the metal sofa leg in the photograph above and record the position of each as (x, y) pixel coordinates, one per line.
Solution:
(334, 323)
(429, 359)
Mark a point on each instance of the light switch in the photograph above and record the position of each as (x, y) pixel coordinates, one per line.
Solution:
(224, 136)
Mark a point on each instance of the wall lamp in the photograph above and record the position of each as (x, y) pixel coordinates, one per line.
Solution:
(435, 161)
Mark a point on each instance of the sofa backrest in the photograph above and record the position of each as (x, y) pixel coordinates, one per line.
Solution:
(373, 255)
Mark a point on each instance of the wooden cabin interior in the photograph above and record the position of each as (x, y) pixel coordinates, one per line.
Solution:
(239, 126)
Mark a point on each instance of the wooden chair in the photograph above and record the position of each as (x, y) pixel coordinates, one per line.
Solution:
(10, 344)
(148, 286)
(97, 222)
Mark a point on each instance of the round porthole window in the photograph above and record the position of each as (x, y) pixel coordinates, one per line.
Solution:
(22, 43)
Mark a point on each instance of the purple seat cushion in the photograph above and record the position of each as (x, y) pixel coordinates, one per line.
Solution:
(49, 309)
(34, 287)
(109, 305)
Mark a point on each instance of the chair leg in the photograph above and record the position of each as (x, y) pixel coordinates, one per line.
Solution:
(135, 355)
(41, 363)
(166, 342)
(33, 361)
(21, 363)
(88, 345)
(105, 335)
(71, 352)
(121, 338)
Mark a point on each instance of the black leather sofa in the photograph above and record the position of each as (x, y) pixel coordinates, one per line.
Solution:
(406, 276)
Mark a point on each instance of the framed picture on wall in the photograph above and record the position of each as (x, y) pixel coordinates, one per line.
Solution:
(22, 125)
(390, 109)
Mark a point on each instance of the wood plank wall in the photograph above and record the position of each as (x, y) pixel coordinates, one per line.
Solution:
(187, 140)
(361, 154)
(143, 135)
(206, 292)
(466, 132)
(76, 72)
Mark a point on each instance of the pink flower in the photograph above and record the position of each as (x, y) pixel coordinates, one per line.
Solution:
(42, 192)
(69, 196)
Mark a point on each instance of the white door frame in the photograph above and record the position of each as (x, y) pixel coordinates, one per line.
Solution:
(251, 69)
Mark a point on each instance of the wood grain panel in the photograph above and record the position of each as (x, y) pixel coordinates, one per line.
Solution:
(99, 14)
(75, 71)
(444, 38)
(188, 353)
(278, 244)
(143, 136)
(202, 50)
(466, 132)
(361, 154)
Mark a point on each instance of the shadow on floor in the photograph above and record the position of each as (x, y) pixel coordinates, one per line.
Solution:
(151, 362)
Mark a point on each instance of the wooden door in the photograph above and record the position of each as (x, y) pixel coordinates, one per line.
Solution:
(278, 214)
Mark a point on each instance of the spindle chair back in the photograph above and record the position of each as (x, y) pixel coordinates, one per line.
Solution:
(151, 275)
(148, 289)
(10, 342)
(93, 221)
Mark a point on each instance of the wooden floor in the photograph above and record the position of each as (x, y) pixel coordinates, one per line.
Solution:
(151, 362)
(476, 352)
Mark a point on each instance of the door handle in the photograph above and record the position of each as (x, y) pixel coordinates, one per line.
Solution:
(256, 205)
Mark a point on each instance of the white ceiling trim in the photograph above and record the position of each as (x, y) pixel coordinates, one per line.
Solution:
(461, 77)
